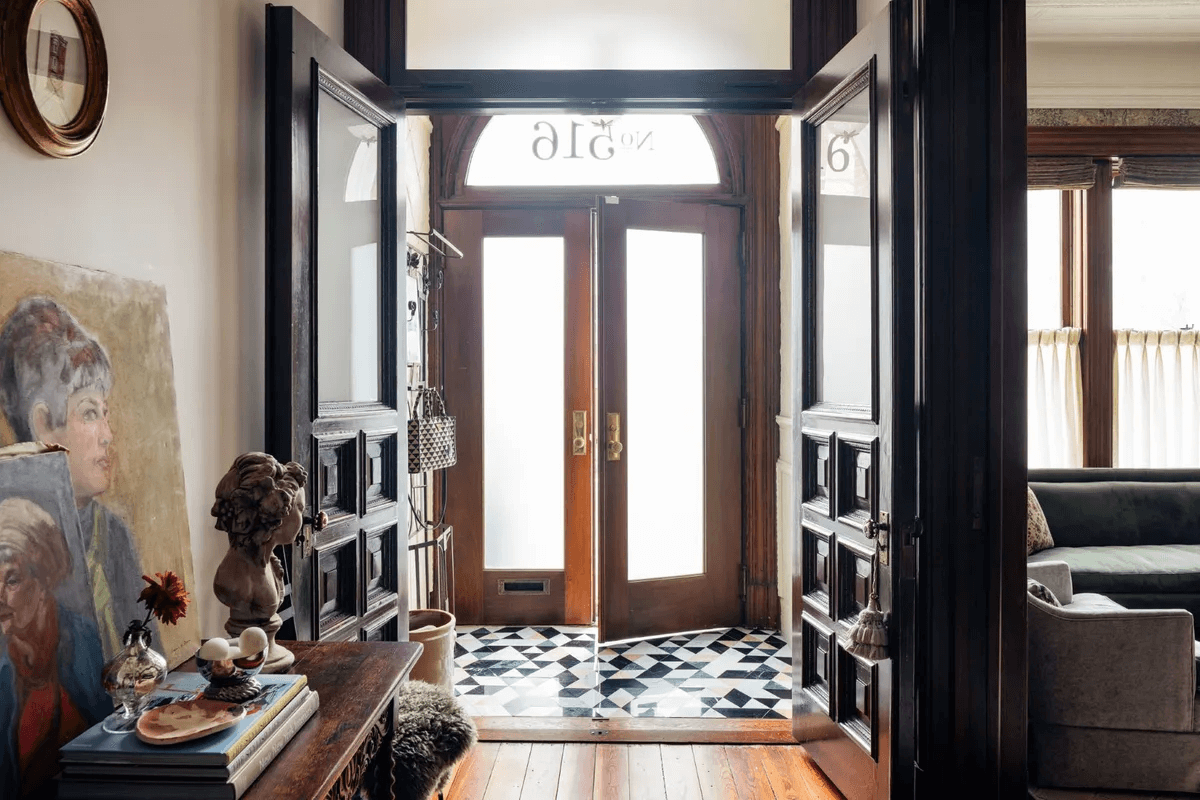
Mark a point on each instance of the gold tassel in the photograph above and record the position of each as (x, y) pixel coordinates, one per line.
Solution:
(868, 637)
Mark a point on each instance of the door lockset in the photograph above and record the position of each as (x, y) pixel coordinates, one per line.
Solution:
(613, 447)
(879, 532)
(579, 433)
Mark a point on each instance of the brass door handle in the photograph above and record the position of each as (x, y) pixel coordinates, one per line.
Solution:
(614, 447)
(579, 433)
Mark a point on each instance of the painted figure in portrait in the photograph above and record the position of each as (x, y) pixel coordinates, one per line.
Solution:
(55, 380)
(85, 363)
(50, 663)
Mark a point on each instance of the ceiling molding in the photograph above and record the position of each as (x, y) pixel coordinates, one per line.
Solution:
(1112, 21)
(1107, 96)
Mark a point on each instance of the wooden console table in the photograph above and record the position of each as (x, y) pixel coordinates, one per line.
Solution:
(347, 745)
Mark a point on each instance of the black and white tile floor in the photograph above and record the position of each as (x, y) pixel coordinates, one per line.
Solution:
(557, 671)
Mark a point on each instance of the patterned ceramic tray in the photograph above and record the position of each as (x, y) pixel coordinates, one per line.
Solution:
(186, 720)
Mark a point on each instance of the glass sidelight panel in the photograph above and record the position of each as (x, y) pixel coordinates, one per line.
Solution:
(664, 429)
(348, 213)
(843, 256)
(524, 406)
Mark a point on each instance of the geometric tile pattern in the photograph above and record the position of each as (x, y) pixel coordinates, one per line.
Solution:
(559, 671)
(739, 672)
(526, 671)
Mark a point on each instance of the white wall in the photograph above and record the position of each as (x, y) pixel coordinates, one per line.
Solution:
(172, 192)
(867, 9)
(1138, 74)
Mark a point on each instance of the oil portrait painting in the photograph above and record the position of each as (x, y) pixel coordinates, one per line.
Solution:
(51, 658)
(85, 363)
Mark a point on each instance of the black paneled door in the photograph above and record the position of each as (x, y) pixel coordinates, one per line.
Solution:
(854, 448)
(333, 397)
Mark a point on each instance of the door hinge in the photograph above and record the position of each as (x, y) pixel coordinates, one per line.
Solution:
(912, 530)
(743, 412)
(743, 581)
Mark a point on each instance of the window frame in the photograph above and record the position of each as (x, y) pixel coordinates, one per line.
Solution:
(1087, 224)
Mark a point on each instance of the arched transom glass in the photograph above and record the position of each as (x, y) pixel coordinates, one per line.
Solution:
(566, 150)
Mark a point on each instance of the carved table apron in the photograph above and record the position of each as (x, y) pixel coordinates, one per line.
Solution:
(346, 748)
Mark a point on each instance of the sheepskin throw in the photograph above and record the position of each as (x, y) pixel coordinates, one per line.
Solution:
(1037, 532)
(433, 733)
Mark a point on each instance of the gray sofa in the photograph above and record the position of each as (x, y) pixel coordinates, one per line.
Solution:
(1131, 535)
(1112, 692)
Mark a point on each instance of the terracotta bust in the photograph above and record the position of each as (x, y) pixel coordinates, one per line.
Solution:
(259, 504)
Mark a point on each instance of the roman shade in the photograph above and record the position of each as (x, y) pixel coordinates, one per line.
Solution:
(1061, 173)
(1158, 172)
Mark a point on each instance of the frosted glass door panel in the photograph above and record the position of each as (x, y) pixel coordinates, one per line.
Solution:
(585, 34)
(348, 229)
(843, 276)
(664, 426)
(524, 413)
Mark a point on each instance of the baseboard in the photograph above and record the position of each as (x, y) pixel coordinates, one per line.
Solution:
(635, 729)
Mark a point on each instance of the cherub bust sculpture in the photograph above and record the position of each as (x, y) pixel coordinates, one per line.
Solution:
(260, 504)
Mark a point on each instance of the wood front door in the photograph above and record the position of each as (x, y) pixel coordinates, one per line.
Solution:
(855, 456)
(334, 402)
(518, 375)
(669, 443)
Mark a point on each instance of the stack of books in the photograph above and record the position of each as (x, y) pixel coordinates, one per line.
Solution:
(98, 765)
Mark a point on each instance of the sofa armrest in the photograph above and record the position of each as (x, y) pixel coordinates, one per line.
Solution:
(1096, 664)
(1055, 576)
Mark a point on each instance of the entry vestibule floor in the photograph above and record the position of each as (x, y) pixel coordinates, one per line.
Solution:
(557, 672)
(524, 771)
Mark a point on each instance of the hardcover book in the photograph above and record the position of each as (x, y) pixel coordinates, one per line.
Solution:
(99, 781)
(97, 746)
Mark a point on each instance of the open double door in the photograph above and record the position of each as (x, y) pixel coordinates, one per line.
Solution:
(592, 358)
(855, 444)
(855, 397)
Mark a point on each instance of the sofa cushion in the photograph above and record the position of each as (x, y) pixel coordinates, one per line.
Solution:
(1121, 512)
(1143, 569)
(1104, 758)
(1037, 532)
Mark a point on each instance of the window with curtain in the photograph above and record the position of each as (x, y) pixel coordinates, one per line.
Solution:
(1114, 355)
(1054, 385)
(1155, 311)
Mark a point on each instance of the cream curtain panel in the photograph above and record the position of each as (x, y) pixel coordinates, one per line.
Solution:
(1055, 399)
(1158, 398)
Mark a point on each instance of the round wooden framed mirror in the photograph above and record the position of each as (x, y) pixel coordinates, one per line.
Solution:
(55, 73)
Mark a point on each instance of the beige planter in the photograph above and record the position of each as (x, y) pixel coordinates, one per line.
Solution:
(434, 629)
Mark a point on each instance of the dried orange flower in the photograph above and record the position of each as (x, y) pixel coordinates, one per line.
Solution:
(166, 599)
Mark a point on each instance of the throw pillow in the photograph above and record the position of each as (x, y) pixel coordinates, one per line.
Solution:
(1042, 592)
(1037, 533)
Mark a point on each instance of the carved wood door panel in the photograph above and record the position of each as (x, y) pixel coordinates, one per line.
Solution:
(854, 448)
(333, 362)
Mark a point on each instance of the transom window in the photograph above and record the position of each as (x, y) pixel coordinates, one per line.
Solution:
(570, 150)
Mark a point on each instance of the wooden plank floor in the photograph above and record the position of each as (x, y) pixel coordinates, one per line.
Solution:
(574, 771)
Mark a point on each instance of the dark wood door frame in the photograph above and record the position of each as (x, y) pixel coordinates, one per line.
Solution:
(970, 145)
(968, 710)
(746, 148)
